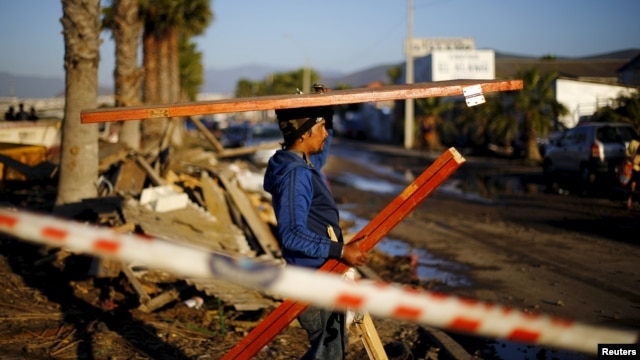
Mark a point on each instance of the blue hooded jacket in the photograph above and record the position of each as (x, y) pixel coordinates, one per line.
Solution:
(304, 206)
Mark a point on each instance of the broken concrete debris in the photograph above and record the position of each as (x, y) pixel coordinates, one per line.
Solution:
(163, 199)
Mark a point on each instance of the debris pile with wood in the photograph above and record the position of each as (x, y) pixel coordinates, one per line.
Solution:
(192, 198)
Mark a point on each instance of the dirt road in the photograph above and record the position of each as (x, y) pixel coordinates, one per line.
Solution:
(569, 255)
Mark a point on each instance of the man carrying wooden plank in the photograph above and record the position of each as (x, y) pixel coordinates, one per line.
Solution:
(305, 208)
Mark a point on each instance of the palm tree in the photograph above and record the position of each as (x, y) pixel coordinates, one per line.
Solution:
(79, 149)
(182, 19)
(537, 105)
(165, 22)
(500, 123)
(429, 119)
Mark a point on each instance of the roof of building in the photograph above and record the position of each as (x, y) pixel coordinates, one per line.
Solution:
(593, 69)
(632, 64)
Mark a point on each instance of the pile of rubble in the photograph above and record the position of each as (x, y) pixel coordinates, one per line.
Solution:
(192, 198)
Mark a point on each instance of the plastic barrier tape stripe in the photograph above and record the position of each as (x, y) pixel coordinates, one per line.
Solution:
(319, 288)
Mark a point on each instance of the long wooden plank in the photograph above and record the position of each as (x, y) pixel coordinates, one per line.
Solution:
(374, 231)
(337, 97)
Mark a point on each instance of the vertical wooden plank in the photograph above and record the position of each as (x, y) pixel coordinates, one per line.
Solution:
(370, 338)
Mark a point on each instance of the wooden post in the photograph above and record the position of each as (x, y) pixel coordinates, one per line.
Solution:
(370, 338)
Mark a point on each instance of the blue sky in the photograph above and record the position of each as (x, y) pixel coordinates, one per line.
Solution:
(343, 35)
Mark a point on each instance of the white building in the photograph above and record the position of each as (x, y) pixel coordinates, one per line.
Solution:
(582, 87)
(583, 98)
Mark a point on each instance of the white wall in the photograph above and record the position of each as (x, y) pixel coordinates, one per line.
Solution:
(584, 98)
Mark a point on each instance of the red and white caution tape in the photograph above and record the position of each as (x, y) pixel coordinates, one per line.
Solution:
(317, 288)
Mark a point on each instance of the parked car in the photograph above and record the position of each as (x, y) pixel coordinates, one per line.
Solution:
(588, 153)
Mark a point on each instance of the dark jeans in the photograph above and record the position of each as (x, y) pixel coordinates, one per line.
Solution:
(326, 331)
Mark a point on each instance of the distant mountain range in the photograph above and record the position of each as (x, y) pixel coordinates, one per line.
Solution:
(225, 80)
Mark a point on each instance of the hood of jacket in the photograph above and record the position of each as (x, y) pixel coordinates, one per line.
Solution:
(280, 164)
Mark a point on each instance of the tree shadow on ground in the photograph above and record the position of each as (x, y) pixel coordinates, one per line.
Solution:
(54, 283)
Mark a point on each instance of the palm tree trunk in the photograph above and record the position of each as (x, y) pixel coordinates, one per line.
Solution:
(164, 78)
(152, 129)
(166, 91)
(531, 141)
(128, 76)
(177, 135)
(79, 150)
(150, 59)
(174, 63)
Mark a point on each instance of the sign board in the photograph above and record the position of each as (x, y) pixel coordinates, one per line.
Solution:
(423, 47)
(444, 65)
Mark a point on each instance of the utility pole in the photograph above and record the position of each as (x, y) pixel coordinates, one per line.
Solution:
(306, 77)
(408, 104)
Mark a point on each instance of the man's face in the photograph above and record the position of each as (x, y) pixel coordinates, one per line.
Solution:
(314, 142)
